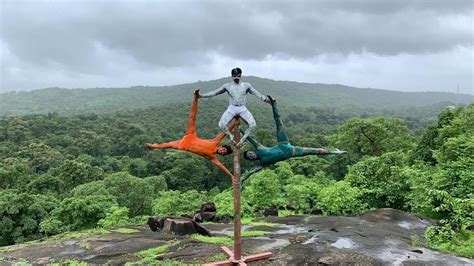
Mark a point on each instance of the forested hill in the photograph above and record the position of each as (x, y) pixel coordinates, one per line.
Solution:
(76, 101)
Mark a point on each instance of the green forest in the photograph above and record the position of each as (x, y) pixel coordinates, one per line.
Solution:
(77, 101)
(74, 170)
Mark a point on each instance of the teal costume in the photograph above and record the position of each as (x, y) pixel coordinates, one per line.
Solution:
(282, 151)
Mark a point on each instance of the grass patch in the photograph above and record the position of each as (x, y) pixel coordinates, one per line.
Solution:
(7, 249)
(21, 262)
(462, 244)
(285, 213)
(148, 256)
(219, 257)
(415, 241)
(221, 240)
(152, 261)
(72, 262)
(126, 230)
(79, 234)
(85, 245)
(255, 233)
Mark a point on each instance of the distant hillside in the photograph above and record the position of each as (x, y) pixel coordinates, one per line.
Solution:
(76, 101)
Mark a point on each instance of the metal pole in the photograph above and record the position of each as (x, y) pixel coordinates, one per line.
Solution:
(236, 185)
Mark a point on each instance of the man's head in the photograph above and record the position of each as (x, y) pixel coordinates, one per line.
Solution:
(236, 74)
(250, 155)
(224, 150)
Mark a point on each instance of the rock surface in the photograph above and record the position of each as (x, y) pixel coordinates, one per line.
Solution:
(381, 237)
(176, 225)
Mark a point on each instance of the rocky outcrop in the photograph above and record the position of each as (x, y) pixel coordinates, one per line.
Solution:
(176, 225)
(380, 237)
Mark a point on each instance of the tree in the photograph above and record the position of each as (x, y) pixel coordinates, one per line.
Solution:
(309, 165)
(157, 183)
(138, 167)
(340, 198)
(14, 173)
(46, 184)
(21, 214)
(115, 216)
(42, 157)
(381, 180)
(448, 125)
(131, 192)
(77, 213)
(91, 188)
(190, 174)
(17, 130)
(93, 143)
(174, 202)
(74, 173)
(225, 204)
(263, 190)
(302, 193)
(445, 188)
(373, 136)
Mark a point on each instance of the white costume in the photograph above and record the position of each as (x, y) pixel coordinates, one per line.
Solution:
(237, 92)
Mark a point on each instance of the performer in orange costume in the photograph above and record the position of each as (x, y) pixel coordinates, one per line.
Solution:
(207, 148)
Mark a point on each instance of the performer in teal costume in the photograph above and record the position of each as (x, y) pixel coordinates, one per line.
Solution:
(282, 151)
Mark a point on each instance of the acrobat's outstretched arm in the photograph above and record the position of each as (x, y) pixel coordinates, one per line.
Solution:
(223, 168)
(213, 93)
(167, 145)
(252, 141)
(249, 173)
(253, 91)
(281, 134)
(191, 129)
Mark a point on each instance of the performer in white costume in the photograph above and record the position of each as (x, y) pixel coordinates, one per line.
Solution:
(237, 91)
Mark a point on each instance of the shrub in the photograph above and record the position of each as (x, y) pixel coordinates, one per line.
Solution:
(78, 213)
(114, 217)
(225, 204)
(263, 191)
(340, 198)
(381, 180)
(178, 203)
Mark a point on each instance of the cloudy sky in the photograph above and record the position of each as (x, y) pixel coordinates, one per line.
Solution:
(424, 45)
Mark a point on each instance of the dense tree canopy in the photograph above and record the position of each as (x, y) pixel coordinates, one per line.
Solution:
(62, 173)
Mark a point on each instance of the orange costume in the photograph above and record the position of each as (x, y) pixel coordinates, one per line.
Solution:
(207, 148)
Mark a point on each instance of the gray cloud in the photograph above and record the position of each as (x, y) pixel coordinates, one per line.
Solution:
(99, 38)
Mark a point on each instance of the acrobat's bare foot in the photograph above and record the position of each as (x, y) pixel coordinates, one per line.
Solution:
(338, 152)
(271, 100)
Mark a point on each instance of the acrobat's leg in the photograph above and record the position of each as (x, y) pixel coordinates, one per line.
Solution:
(191, 129)
(281, 134)
(248, 118)
(304, 151)
(167, 145)
(226, 117)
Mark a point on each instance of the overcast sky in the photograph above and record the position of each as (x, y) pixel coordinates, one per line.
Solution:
(424, 45)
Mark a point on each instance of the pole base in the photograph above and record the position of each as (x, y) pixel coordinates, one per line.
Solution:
(242, 262)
